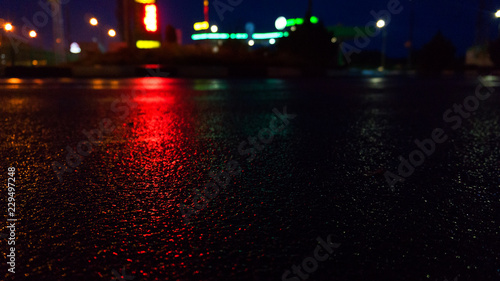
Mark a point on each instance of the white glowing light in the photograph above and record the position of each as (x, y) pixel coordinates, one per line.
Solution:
(280, 23)
(74, 48)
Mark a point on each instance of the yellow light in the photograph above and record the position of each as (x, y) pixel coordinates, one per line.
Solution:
(34, 62)
(8, 27)
(214, 28)
(497, 14)
(201, 25)
(251, 43)
(150, 18)
(205, 3)
(380, 23)
(147, 44)
(93, 21)
(146, 1)
(111, 33)
(32, 34)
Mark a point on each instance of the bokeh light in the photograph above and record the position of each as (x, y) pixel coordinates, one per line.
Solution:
(93, 21)
(112, 33)
(280, 23)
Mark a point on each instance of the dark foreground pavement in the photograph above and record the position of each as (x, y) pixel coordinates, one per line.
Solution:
(151, 147)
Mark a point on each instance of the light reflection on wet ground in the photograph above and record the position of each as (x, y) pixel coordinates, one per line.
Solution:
(322, 175)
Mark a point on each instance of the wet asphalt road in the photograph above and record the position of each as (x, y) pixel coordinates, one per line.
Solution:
(322, 174)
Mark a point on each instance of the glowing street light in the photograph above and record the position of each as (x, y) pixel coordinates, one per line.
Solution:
(8, 27)
(111, 33)
(214, 28)
(251, 43)
(32, 34)
(381, 24)
(93, 21)
(280, 23)
(272, 41)
(75, 48)
(497, 14)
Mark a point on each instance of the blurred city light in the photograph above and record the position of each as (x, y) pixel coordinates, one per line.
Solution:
(147, 44)
(150, 18)
(293, 22)
(74, 48)
(112, 33)
(239, 36)
(214, 28)
(272, 41)
(204, 36)
(334, 40)
(380, 23)
(32, 34)
(280, 23)
(497, 14)
(270, 35)
(201, 25)
(8, 27)
(314, 20)
(251, 43)
(93, 21)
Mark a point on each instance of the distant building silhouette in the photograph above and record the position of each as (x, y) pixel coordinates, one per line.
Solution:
(309, 11)
(123, 15)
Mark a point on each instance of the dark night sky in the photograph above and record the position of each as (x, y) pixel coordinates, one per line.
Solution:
(456, 19)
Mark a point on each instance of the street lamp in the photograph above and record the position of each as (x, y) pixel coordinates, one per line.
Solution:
(497, 15)
(111, 33)
(93, 21)
(381, 24)
(280, 23)
(8, 27)
(32, 35)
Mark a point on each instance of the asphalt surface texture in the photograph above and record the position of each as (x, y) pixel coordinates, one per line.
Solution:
(347, 178)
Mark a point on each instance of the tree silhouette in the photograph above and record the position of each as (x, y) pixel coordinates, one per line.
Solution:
(494, 50)
(311, 42)
(437, 55)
